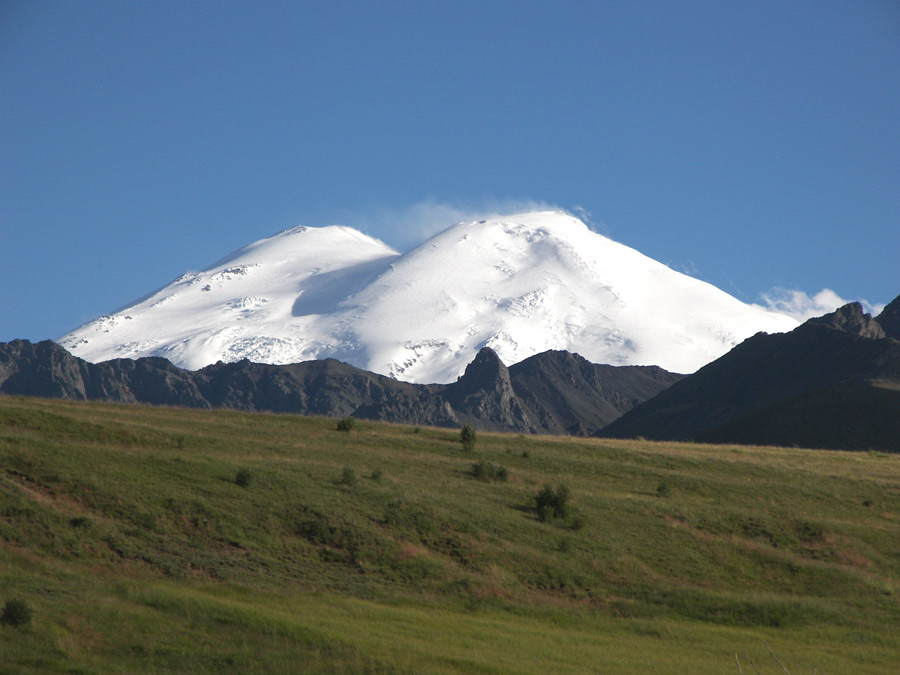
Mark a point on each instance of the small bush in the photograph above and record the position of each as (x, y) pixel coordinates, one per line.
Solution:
(348, 476)
(243, 478)
(346, 424)
(377, 475)
(16, 613)
(487, 471)
(550, 503)
(318, 529)
(81, 521)
(663, 489)
(467, 436)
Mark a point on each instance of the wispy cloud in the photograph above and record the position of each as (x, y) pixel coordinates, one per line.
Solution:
(802, 306)
(406, 227)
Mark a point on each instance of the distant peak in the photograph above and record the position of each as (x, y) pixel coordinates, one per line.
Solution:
(486, 362)
(486, 355)
(851, 318)
(485, 372)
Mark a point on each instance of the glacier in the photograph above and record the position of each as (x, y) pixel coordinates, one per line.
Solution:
(520, 284)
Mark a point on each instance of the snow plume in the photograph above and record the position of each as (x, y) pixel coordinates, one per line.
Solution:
(802, 306)
(405, 228)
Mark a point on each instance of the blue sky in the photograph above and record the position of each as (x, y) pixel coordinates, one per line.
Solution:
(752, 144)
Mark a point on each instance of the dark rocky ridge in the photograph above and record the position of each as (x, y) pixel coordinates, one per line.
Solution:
(833, 382)
(889, 319)
(553, 392)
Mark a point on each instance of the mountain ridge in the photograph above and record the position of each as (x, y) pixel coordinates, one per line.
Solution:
(833, 382)
(489, 394)
(520, 284)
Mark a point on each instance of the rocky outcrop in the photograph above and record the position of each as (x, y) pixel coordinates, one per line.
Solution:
(833, 382)
(851, 318)
(578, 401)
(889, 319)
(485, 394)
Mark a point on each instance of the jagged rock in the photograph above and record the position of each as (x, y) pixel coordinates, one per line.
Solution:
(42, 369)
(851, 318)
(488, 394)
(889, 319)
(485, 394)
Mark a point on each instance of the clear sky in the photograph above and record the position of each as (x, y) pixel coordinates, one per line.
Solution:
(753, 144)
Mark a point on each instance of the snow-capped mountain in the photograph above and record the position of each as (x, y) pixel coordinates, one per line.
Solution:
(520, 284)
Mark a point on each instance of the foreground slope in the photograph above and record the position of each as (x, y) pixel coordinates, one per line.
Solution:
(126, 531)
(833, 382)
(520, 284)
(553, 392)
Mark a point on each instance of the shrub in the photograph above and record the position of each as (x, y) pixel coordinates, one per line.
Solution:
(16, 613)
(467, 436)
(481, 470)
(348, 476)
(346, 424)
(377, 475)
(243, 477)
(488, 471)
(318, 530)
(550, 503)
(80, 521)
(663, 489)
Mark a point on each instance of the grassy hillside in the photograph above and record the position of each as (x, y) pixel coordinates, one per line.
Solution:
(159, 539)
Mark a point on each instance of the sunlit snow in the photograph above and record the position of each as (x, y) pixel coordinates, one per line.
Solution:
(520, 284)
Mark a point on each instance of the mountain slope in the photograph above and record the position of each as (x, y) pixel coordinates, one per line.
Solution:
(135, 540)
(580, 399)
(571, 395)
(833, 382)
(264, 302)
(520, 284)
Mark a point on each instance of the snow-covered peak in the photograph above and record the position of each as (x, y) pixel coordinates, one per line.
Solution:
(526, 283)
(520, 284)
(299, 245)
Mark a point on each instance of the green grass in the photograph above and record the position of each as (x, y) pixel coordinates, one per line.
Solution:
(137, 549)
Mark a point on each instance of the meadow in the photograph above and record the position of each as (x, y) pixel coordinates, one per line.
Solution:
(145, 539)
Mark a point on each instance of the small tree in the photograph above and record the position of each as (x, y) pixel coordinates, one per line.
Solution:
(550, 503)
(467, 436)
(346, 424)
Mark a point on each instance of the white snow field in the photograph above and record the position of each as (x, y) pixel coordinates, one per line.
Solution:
(520, 284)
